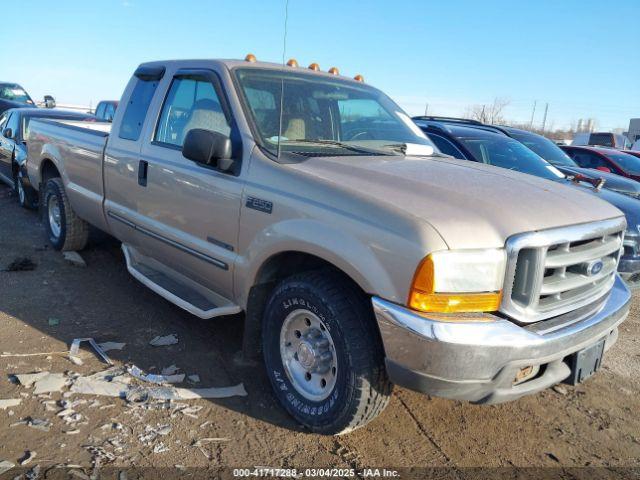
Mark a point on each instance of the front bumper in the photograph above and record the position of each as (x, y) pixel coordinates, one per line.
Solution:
(478, 361)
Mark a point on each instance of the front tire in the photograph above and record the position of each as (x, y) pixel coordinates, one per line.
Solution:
(323, 352)
(27, 196)
(65, 230)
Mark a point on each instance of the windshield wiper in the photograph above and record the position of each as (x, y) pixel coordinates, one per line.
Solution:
(336, 143)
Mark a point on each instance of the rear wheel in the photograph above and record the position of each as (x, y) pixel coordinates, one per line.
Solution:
(323, 352)
(65, 230)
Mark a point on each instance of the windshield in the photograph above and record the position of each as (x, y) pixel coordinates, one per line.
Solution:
(505, 152)
(324, 116)
(545, 148)
(628, 163)
(14, 93)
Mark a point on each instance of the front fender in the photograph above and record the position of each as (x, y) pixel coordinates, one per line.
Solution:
(360, 260)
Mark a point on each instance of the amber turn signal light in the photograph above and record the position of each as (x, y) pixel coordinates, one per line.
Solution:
(292, 62)
(250, 58)
(315, 67)
(334, 71)
(359, 78)
(423, 298)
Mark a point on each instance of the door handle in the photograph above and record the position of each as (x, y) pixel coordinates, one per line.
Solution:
(142, 172)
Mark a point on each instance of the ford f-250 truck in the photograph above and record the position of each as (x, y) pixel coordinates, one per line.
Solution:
(360, 256)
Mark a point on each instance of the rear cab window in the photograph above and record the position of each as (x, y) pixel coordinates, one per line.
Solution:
(147, 79)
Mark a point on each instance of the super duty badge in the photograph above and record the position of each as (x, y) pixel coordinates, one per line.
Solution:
(259, 204)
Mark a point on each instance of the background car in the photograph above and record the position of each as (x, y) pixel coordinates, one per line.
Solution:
(480, 143)
(13, 95)
(604, 139)
(14, 127)
(106, 110)
(606, 160)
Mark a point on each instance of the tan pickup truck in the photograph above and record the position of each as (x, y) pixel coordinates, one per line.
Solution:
(360, 256)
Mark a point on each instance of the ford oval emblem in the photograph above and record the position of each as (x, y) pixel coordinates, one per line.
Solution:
(595, 268)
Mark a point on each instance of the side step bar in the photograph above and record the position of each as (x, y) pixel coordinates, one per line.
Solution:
(175, 287)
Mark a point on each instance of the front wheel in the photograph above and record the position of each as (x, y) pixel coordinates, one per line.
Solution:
(27, 196)
(65, 230)
(323, 352)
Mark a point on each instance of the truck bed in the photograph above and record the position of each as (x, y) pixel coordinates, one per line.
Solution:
(77, 150)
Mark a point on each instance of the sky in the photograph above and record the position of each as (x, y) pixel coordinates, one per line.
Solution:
(579, 56)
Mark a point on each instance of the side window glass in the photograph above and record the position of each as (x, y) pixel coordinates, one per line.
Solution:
(136, 109)
(445, 146)
(190, 104)
(3, 121)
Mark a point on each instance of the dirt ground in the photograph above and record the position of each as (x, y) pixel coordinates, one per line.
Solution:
(596, 424)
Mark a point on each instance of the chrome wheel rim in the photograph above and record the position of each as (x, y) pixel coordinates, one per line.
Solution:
(21, 195)
(53, 210)
(308, 355)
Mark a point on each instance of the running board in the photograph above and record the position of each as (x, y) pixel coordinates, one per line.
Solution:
(175, 287)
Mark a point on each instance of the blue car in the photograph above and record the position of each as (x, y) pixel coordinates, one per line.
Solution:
(479, 143)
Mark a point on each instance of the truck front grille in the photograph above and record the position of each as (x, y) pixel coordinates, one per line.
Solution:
(552, 272)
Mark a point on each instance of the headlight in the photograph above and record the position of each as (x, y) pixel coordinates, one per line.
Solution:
(459, 281)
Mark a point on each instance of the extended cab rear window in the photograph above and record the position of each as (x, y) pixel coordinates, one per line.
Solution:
(136, 110)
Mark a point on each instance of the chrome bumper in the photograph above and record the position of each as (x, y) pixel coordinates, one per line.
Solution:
(478, 361)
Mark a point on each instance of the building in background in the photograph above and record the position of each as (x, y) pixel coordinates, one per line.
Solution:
(586, 125)
(634, 130)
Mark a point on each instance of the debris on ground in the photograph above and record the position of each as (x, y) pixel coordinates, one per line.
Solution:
(21, 264)
(5, 466)
(33, 474)
(170, 370)
(151, 378)
(9, 402)
(74, 258)
(52, 382)
(195, 378)
(159, 341)
(106, 346)
(204, 441)
(160, 448)
(99, 454)
(53, 322)
(26, 458)
(28, 379)
(75, 348)
(39, 354)
(112, 382)
(560, 389)
(37, 423)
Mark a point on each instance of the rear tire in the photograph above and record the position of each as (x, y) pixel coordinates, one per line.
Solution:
(323, 352)
(65, 230)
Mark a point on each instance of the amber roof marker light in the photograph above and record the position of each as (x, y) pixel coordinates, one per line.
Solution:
(292, 63)
(359, 78)
(334, 71)
(315, 67)
(250, 58)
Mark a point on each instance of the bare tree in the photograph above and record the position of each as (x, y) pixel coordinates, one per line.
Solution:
(491, 114)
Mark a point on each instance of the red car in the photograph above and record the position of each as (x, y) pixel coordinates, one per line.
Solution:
(606, 159)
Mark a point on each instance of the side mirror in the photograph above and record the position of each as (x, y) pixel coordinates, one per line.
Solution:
(209, 148)
(49, 101)
(7, 133)
(604, 169)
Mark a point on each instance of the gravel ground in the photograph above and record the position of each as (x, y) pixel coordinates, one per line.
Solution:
(42, 310)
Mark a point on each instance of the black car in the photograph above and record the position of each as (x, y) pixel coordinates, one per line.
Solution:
(13, 95)
(475, 142)
(14, 127)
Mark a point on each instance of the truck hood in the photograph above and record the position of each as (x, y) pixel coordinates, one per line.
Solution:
(471, 205)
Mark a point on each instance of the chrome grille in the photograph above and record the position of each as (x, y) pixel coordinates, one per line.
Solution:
(552, 272)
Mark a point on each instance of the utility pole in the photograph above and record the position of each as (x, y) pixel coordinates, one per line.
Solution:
(544, 119)
(426, 109)
(533, 112)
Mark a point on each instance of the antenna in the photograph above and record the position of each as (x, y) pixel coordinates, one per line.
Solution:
(284, 54)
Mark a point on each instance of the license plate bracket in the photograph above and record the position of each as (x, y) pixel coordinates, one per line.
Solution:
(585, 363)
